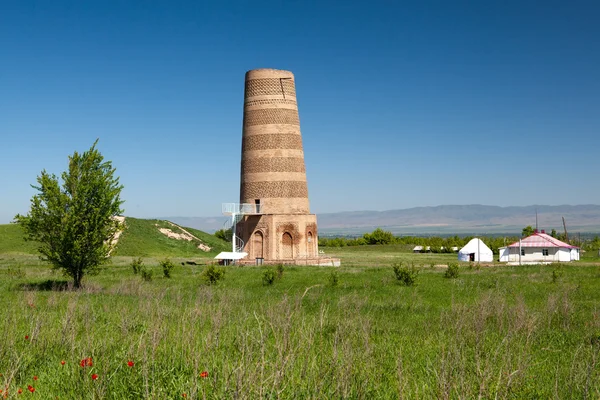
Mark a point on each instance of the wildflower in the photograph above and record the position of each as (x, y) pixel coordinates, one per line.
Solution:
(20, 391)
(184, 395)
(204, 374)
(26, 337)
(30, 388)
(35, 378)
(94, 376)
(86, 362)
(130, 363)
(62, 362)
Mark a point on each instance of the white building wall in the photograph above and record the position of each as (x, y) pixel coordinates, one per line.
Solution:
(535, 254)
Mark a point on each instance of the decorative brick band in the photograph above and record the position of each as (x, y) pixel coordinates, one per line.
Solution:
(267, 116)
(267, 102)
(272, 141)
(270, 86)
(274, 164)
(277, 189)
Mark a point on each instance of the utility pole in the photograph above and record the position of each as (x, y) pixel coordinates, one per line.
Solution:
(566, 234)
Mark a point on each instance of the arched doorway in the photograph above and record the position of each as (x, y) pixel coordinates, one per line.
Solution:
(257, 244)
(287, 246)
(310, 245)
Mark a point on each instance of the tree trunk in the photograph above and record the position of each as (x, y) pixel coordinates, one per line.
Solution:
(77, 279)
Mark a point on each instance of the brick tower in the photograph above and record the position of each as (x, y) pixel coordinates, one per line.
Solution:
(275, 224)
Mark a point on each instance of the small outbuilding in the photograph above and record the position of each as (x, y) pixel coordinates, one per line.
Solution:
(476, 251)
(539, 248)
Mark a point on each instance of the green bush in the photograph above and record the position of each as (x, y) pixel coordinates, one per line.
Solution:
(268, 277)
(557, 273)
(137, 264)
(452, 271)
(333, 279)
(167, 267)
(146, 274)
(405, 275)
(212, 274)
(279, 271)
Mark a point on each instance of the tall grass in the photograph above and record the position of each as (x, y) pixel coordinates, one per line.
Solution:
(506, 332)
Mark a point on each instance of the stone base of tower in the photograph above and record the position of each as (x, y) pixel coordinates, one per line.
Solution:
(281, 238)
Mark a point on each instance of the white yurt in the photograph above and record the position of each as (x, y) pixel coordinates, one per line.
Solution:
(476, 251)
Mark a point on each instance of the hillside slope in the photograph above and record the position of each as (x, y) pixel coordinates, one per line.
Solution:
(143, 238)
(140, 238)
(12, 242)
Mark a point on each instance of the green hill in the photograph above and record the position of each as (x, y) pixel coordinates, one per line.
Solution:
(12, 242)
(140, 238)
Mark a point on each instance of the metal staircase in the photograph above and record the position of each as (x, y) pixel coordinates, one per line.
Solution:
(237, 212)
(237, 242)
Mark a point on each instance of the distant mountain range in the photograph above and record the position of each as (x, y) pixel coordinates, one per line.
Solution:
(445, 219)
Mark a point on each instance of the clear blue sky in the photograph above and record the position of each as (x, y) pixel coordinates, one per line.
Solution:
(401, 104)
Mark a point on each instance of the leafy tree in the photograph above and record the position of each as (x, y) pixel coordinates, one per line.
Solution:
(73, 222)
(224, 234)
(553, 233)
(527, 231)
(379, 236)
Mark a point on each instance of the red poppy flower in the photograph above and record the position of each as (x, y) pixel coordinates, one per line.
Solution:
(94, 376)
(130, 363)
(184, 395)
(30, 388)
(203, 374)
(35, 378)
(86, 362)
(26, 337)
(20, 391)
(62, 362)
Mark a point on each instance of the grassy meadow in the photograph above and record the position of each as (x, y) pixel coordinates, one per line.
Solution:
(317, 332)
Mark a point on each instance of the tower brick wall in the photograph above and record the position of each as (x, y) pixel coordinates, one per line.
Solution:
(273, 173)
(273, 170)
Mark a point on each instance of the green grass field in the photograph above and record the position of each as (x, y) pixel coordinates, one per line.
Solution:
(494, 332)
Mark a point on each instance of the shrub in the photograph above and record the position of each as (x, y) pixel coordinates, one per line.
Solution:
(268, 277)
(452, 271)
(333, 279)
(146, 274)
(212, 274)
(279, 271)
(137, 264)
(557, 273)
(167, 267)
(405, 275)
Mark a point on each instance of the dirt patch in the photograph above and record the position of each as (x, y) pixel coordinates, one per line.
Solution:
(183, 235)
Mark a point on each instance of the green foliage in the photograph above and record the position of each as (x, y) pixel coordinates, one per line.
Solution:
(527, 231)
(73, 222)
(167, 267)
(436, 244)
(212, 274)
(333, 279)
(268, 277)
(407, 276)
(224, 234)
(279, 269)
(146, 274)
(452, 271)
(379, 236)
(137, 264)
(557, 273)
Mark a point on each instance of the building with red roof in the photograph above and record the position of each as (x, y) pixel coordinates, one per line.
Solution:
(539, 248)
